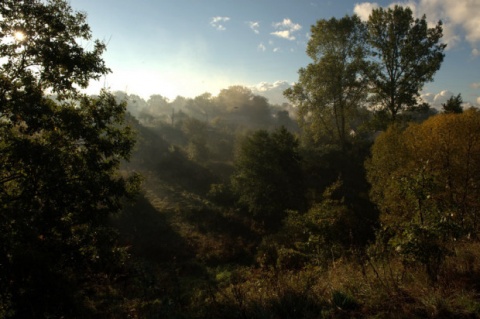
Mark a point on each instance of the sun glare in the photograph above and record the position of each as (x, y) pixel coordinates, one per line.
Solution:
(19, 35)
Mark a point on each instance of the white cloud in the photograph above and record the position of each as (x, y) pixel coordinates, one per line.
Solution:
(272, 91)
(275, 50)
(427, 97)
(254, 25)
(217, 23)
(285, 34)
(285, 29)
(436, 11)
(436, 100)
(460, 18)
(261, 47)
(363, 10)
(459, 13)
(442, 97)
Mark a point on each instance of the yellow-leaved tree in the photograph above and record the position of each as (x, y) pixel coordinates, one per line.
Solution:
(425, 181)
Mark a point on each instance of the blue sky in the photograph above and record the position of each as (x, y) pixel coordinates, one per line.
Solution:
(188, 47)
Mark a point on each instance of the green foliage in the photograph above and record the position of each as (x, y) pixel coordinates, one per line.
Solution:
(324, 168)
(406, 55)
(196, 132)
(325, 229)
(267, 177)
(50, 54)
(59, 176)
(332, 88)
(424, 245)
(320, 236)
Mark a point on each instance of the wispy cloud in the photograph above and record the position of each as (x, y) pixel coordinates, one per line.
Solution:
(475, 85)
(261, 47)
(218, 23)
(254, 25)
(285, 29)
(288, 24)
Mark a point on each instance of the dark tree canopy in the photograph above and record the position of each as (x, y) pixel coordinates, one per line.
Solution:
(59, 180)
(268, 178)
(41, 42)
(453, 104)
(406, 54)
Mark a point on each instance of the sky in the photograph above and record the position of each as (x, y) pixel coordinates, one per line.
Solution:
(189, 47)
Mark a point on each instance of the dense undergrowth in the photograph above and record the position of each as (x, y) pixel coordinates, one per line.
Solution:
(192, 265)
(196, 257)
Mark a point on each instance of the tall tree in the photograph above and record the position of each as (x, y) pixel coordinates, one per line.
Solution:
(59, 180)
(333, 86)
(406, 55)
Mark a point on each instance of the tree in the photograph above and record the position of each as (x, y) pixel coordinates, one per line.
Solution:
(202, 107)
(330, 96)
(439, 158)
(406, 55)
(424, 181)
(328, 230)
(242, 107)
(453, 104)
(59, 180)
(196, 133)
(267, 177)
(157, 108)
(333, 87)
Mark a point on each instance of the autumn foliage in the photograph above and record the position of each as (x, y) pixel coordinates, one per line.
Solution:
(429, 168)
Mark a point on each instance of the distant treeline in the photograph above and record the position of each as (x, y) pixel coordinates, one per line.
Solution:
(235, 106)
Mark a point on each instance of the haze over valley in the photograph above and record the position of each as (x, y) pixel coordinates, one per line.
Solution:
(239, 159)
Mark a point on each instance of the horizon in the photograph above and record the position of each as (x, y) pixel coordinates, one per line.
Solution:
(209, 47)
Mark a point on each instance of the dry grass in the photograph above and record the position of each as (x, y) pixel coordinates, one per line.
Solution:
(352, 290)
